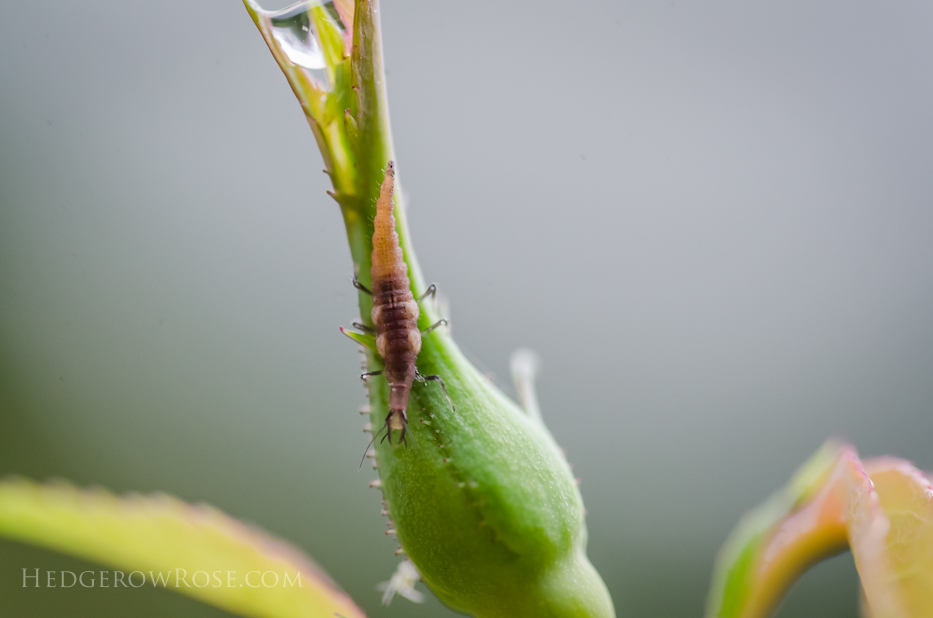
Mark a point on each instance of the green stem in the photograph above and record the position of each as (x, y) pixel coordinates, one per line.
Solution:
(375, 151)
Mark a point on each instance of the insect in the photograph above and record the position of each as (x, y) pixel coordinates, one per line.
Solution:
(395, 314)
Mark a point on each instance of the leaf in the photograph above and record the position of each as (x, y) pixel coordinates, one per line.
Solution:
(322, 100)
(330, 36)
(345, 11)
(882, 510)
(773, 544)
(368, 341)
(892, 541)
(194, 549)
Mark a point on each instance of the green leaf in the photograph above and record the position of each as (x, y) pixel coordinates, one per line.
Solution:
(322, 100)
(367, 341)
(195, 549)
(330, 36)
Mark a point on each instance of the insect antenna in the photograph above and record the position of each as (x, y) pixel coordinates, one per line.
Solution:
(370, 444)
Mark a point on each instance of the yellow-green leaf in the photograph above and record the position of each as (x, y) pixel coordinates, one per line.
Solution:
(893, 541)
(194, 549)
(881, 509)
(773, 544)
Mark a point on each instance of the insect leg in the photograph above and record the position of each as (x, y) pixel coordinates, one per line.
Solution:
(362, 288)
(435, 325)
(367, 374)
(366, 329)
(422, 378)
(431, 291)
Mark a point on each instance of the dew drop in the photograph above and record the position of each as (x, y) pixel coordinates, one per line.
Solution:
(294, 32)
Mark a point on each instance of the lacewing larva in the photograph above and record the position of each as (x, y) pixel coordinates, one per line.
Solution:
(395, 313)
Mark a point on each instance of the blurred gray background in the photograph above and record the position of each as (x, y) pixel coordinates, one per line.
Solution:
(712, 220)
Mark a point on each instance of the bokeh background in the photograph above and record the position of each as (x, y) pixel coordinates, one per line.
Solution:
(712, 220)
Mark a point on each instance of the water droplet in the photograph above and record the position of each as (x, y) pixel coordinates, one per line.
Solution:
(294, 32)
(291, 28)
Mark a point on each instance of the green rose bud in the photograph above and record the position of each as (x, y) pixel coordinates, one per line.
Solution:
(483, 501)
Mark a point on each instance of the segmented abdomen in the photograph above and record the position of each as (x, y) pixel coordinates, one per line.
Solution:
(395, 311)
